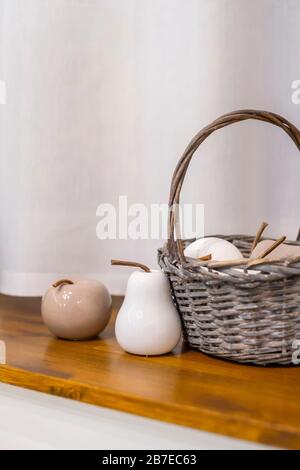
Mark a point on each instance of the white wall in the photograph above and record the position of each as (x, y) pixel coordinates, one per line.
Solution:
(102, 98)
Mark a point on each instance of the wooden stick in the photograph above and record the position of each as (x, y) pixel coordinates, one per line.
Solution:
(272, 247)
(61, 282)
(298, 236)
(228, 263)
(117, 262)
(246, 261)
(258, 236)
(292, 260)
(257, 262)
(205, 258)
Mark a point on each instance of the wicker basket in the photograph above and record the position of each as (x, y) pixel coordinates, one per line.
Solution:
(245, 315)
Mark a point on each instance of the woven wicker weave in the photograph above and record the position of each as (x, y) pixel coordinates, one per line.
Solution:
(229, 311)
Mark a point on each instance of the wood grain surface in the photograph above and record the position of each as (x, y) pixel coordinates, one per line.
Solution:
(186, 387)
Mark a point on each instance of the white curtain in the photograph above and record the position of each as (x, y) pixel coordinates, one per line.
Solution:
(102, 96)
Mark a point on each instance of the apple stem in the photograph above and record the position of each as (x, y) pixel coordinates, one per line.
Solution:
(61, 282)
(117, 262)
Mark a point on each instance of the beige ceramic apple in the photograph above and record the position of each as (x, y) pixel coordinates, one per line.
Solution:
(76, 310)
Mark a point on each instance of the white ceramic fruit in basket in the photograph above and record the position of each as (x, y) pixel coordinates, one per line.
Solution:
(148, 323)
(219, 249)
(281, 252)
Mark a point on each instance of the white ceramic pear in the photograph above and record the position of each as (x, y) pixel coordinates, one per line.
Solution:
(148, 323)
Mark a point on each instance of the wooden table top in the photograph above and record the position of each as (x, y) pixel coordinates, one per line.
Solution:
(186, 387)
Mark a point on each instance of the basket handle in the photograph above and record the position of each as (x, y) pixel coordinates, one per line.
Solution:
(175, 247)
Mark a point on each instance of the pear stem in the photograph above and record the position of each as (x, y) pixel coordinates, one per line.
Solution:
(61, 282)
(118, 262)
